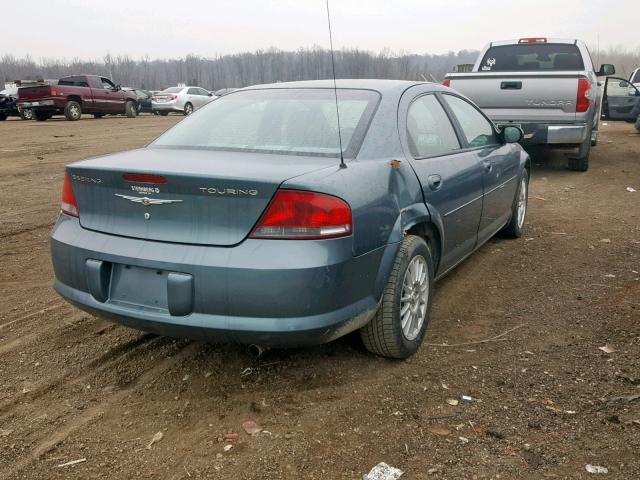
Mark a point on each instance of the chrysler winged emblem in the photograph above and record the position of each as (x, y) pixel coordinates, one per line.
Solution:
(146, 200)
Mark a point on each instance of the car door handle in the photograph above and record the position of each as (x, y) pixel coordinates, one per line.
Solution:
(511, 86)
(434, 182)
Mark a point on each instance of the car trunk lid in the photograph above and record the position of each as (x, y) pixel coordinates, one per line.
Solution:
(201, 196)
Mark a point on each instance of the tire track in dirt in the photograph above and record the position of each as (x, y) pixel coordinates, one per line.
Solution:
(32, 315)
(52, 439)
(101, 364)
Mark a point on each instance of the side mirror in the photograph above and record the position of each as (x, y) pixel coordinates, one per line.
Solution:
(511, 134)
(606, 69)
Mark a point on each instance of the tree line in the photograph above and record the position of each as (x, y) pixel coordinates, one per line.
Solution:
(266, 66)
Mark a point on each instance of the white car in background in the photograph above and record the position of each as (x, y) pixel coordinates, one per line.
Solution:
(180, 99)
(635, 78)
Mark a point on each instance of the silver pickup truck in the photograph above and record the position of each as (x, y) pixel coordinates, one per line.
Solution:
(547, 87)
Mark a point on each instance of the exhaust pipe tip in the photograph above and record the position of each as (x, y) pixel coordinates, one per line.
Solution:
(256, 350)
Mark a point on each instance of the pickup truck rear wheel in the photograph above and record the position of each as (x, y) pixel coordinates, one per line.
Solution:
(26, 114)
(72, 111)
(130, 109)
(400, 323)
(580, 163)
(41, 116)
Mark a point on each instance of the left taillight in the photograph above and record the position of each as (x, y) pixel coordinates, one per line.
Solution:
(583, 101)
(69, 204)
(303, 215)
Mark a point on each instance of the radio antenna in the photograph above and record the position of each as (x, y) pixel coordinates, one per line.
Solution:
(335, 88)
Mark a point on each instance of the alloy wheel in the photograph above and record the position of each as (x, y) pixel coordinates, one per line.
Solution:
(414, 297)
(522, 202)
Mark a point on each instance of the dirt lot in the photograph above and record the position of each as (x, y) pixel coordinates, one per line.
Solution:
(548, 400)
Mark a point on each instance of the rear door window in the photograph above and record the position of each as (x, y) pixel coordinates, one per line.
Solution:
(429, 130)
(532, 57)
(478, 131)
(73, 82)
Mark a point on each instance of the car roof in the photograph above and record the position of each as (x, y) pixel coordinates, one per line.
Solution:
(516, 41)
(380, 85)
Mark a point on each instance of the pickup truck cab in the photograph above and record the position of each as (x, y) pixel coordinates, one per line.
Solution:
(547, 87)
(75, 95)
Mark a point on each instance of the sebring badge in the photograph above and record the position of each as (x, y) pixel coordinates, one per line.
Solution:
(146, 200)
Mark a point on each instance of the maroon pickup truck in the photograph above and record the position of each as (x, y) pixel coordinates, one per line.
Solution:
(75, 95)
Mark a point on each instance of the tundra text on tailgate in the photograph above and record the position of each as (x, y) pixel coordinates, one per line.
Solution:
(548, 87)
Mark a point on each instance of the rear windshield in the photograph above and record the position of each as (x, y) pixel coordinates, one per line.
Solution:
(73, 82)
(283, 121)
(173, 89)
(532, 58)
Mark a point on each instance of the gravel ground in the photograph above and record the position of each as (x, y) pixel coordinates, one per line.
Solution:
(523, 323)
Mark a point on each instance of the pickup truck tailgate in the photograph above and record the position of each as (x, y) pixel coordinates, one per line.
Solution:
(33, 93)
(521, 97)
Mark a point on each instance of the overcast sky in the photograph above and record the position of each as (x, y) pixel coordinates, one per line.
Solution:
(160, 28)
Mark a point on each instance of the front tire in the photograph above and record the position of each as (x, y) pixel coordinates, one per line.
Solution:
(188, 109)
(515, 227)
(130, 109)
(400, 323)
(72, 111)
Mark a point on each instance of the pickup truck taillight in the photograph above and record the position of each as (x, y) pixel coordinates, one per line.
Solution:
(584, 95)
(302, 215)
(69, 204)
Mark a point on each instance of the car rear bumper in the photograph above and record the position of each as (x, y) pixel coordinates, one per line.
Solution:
(167, 107)
(268, 292)
(551, 134)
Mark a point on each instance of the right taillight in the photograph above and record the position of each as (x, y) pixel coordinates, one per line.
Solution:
(69, 204)
(583, 101)
(302, 215)
(446, 82)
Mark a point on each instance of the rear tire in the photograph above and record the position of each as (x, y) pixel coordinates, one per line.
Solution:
(580, 163)
(515, 227)
(41, 116)
(26, 114)
(188, 109)
(130, 109)
(399, 325)
(72, 111)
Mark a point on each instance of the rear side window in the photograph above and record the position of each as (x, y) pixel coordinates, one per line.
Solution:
(476, 128)
(532, 57)
(73, 82)
(429, 130)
